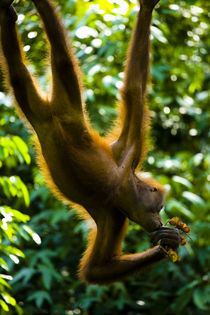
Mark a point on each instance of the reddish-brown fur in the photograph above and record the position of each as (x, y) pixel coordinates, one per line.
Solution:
(79, 165)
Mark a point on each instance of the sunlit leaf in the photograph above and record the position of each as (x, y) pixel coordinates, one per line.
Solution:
(158, 34)
(193, 198)
(3, 282)
(175, 207)
(12, 250)
(3, 264)
(182, 181)
(8, 299)
(4, 306)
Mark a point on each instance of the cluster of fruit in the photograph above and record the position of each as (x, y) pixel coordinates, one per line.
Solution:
(170, 253)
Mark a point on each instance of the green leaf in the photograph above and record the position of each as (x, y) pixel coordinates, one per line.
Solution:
(22, 147)
(46, 276)
(4, 283)
(182, 181)
(20, 217)
(200, 299)
(44, 256)
(24, 190)
(48, 272)
(8, 299)
(4, 306)
(158, 34)
(3, 264)
(175, 207)
(18, 309)
(59, 215)
(11, 250)
(193, 198)
(34, 235)
(182, 301)
(25, 274)
(39, 297)
(188, 286)
(16, 215)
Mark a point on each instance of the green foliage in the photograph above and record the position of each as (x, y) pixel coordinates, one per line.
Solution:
(46, 280)
(13, 228)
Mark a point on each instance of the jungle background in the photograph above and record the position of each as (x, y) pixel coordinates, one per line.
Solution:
(41, 240)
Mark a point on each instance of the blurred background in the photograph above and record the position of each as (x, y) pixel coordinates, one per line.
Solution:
(41, 241)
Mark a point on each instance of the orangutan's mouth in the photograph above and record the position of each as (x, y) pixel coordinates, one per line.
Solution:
(156, 224)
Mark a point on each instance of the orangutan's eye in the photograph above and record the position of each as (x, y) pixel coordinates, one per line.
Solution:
(153, 189)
